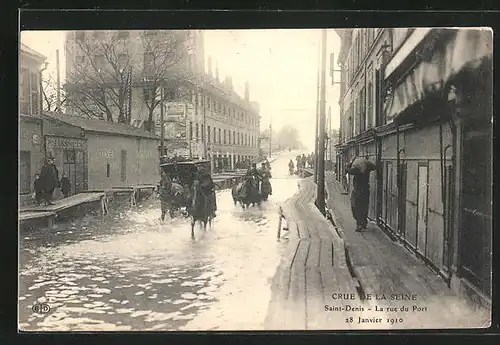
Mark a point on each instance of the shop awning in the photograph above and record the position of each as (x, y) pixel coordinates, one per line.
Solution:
(466, 49)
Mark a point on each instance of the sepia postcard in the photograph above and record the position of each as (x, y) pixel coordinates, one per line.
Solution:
(271, 179)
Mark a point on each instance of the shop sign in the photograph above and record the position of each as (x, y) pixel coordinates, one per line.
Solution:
(105, 153)
(66, 143)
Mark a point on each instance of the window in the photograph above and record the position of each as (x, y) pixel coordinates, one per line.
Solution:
(399, 35)
(229, 138)
(369, 112)
(148, 63)
(371, 37)
(220, 139)
(123, 161)
(225, 110)
(108, 170)
(208, 134)
(190, 130)
(170, 94)
(24, 91)
(215, 135)
(35, 101)
(122, 59)
(98, 34)
(80, 35)
(24, 172)
(197, 132)
(202, 133)
(148, 94)
(219, 108)
(98, 61)
(123, 34)
(362, 108)
(214, 106)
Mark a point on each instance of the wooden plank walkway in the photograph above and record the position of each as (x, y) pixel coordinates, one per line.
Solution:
(308, 274)
(72, 201)
(385, 268)
(28, 216)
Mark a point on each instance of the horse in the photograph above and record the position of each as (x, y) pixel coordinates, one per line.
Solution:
(246, 193)
(265, 189)
(200, 210)
(178, 198)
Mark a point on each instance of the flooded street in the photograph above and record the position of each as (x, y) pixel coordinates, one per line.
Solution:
(129, 272)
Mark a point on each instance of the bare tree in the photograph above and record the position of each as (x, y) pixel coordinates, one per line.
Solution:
(49, 94)
(98, 83)
(164, 52)
(109, 66)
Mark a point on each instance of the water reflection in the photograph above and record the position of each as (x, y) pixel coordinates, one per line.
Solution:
(129, 272)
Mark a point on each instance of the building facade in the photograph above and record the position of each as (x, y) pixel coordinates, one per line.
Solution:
(30, 124)
(431, 110)
(100, 155)
(204, 115)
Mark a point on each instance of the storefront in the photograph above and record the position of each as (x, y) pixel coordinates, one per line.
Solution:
(440, 111)
(70, 158)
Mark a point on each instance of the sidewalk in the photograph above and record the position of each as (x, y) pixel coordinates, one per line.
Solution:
(385, 267)
(313, 267)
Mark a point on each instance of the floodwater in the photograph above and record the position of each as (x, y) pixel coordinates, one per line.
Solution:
(131, 272)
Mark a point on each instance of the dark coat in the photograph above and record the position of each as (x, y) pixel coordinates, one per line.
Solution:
(65, 185)
(50, 177)
(38, 186)
(165, 188)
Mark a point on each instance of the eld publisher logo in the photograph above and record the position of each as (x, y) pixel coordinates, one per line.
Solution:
(41, 308)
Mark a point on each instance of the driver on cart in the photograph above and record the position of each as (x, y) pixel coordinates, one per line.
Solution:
(208, 188)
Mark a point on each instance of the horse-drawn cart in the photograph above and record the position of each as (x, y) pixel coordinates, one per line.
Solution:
(183, 173)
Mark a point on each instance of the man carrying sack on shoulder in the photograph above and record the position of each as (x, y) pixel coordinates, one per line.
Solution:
(360, 169)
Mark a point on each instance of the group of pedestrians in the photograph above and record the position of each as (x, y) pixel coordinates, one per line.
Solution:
(305, 161)
(47, 181)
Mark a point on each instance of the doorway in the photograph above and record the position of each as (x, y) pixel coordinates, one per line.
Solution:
(402, 200)
(422, 208)
(476, 210)
(73, 166)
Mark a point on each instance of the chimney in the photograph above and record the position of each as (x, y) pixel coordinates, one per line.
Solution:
(209, 66)
(247, 91)
(229, 82)
(216, 71)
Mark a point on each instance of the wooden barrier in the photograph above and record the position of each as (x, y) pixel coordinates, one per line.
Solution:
(27, 216)
(50, 212)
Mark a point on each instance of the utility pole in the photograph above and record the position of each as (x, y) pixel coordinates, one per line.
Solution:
(320, 199)
(58, 91)
(40, 85)
(316, 136)
(329, 131)
(162, 123)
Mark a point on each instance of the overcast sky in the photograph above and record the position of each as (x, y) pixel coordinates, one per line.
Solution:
(280, 66)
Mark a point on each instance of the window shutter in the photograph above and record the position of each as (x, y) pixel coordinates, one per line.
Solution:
(123, 165)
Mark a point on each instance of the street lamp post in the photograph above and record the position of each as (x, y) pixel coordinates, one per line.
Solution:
(162, 123)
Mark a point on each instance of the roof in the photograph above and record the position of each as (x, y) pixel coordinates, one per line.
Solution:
(101, 126)
(33, 53)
